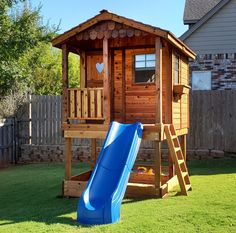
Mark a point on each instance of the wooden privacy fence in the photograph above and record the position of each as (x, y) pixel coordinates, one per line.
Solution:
(46, 120)
(7, 144)
(212, 120)
(13, 133)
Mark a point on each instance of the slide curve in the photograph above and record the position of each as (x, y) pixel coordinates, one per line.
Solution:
(101, 200)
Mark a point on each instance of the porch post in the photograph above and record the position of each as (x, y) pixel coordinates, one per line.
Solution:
(65, 85)
(158, 113)
(82, 69)
(106, 83)
(158, 47)
(65, 82)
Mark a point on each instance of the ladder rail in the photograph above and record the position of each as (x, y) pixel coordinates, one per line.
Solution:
(178, 159)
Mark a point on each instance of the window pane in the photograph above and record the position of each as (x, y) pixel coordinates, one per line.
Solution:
(144, 76)
(150, 57)
(201, 80)
(140, 57)
(150, 64)
(139, 64)
(145, 68)
(176, 78)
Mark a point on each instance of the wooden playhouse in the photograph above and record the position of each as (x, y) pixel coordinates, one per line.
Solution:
(130, 72)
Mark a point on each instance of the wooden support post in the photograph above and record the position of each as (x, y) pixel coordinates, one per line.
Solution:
(183, 145)
(82, 69)
(158, 71)
(65, 82)
(68, 157)
(171, 166)
(123, 86)
(167, 68)
(106, 83)
(158, 168)
(93, 151)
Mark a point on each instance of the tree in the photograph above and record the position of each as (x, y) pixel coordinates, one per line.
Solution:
(25, 52)
(26, 55)
(44, 69)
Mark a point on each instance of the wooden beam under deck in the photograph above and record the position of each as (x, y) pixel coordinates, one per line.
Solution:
(152, 132)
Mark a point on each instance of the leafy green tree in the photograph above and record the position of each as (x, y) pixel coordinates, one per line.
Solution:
(26, 55)
(44, 69)
(20, 30)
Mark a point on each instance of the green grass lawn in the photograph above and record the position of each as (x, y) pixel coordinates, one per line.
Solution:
(28, 203)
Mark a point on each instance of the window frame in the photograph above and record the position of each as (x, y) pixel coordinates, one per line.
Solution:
(134, 68)
(176, 57)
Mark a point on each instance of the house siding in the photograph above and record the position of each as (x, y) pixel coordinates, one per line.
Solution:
(218, 34)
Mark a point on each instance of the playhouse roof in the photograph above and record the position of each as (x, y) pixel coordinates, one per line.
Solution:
(105, 15)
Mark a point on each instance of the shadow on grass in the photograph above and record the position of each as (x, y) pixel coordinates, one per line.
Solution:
(29, 193)
(212, 166)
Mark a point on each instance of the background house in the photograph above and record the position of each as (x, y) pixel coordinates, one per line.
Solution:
(212, 35)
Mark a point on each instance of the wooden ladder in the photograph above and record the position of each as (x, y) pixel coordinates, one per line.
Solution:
(178, 159)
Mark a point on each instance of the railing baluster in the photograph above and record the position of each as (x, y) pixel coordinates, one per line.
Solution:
(85, 103)
(72, 104)
(78, 104)
(92, 104)
(99, 103)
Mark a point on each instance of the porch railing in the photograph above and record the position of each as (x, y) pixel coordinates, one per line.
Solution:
(85, 103)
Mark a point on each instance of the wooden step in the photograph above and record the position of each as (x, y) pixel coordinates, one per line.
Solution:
(180, 161)
(185, 174)
(188, 187)
(177, 149)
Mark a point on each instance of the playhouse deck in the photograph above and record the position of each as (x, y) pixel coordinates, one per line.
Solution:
(153, 132)
(140, 184)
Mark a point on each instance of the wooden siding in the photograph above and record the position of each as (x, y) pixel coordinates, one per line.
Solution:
(118, 86)
(180, 107)
(166, 85)
(94, 78)
(218, 34)
(184, 102)
(139, 98)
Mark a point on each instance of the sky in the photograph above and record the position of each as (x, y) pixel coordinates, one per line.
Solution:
(166, 14)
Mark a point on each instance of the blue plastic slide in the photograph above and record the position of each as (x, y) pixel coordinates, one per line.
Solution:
(100, 202)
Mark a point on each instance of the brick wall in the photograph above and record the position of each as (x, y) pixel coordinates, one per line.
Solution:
(222, 67)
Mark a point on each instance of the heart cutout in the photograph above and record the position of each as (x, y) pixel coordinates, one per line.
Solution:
(99, 67)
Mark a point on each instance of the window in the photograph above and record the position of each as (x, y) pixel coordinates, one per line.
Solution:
(201, 80)
(176, 69)
(145, 68)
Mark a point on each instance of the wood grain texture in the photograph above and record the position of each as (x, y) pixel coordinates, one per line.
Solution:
(158, 70)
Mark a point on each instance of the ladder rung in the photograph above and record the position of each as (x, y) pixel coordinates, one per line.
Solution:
(184, 174)
(174, 137)
(180, 161)
(177, 149)
(188, 187)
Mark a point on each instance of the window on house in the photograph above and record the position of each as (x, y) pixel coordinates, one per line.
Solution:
(176, 69)
(201, 80)
(145, 68)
